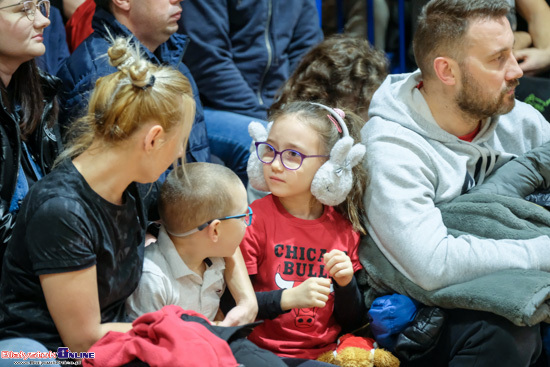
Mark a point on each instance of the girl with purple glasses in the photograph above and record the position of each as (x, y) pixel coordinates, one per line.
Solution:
(301, 249)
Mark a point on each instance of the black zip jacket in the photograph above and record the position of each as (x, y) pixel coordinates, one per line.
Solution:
(44, 145)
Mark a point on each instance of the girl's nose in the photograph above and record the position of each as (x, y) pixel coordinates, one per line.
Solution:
(277, 164)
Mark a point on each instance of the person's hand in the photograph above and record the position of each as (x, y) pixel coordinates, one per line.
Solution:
(339, 267)
(533, 60)
(242, 313)
(313, 292)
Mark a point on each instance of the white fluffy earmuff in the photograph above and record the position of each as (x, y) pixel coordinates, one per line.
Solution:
(334, 179)
(254, 168)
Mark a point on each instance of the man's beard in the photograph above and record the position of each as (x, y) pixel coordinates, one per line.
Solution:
(472, 101)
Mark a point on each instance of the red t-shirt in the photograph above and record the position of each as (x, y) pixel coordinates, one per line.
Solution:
(282, 251)
(470, 137)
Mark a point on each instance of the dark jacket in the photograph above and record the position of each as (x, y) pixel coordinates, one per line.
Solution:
(90, 62)
(242, 51)
(55, 41)
(527, 176)
(44, 145)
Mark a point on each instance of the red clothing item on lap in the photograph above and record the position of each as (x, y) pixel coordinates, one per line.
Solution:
(162, 338)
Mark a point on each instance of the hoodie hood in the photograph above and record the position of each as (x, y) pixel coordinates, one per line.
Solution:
(405, 105)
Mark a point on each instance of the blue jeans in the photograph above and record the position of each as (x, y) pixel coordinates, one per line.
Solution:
(26, 345)
(229, 138)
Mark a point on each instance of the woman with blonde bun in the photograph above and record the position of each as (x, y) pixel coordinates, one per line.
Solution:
(77, 248)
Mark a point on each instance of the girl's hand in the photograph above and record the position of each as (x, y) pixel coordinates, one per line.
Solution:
(313, 292)
(339, 267)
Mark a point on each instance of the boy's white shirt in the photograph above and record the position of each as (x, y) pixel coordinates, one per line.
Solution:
(167, 280)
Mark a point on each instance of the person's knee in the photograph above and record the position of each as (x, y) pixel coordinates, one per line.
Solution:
(474, 338)
(523, 345)
(520, 335)
(522, 341)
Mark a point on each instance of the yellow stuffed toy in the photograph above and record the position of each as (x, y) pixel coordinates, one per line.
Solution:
(356, 351)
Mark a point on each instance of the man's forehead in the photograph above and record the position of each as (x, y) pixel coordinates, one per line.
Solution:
(490, 34)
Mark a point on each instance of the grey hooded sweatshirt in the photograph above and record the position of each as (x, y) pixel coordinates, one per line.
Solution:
(414, 166)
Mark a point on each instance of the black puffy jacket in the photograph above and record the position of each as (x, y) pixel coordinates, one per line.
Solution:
(44, 144)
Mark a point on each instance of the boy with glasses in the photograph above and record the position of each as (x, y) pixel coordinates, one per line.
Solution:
(204, 215)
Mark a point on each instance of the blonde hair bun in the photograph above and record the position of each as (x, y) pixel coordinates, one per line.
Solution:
(126, 58)
(139, 73)
(119, 53)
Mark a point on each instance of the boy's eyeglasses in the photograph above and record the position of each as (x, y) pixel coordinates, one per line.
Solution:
(29, 7)
(291, 159)
(247, 220)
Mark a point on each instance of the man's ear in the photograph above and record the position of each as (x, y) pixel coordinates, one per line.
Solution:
(153, 138)
(121, 4)
(214, 230)
(446, 70)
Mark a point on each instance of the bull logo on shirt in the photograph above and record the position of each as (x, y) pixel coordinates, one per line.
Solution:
(304, 317)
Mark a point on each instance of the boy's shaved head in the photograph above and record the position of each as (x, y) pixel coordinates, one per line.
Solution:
(195, 194)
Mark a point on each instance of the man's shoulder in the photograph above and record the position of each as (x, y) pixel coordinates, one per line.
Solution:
(380, 129)
(520, 130)
(173, 49)
(88, 61)
(523, 117)
(525, 110)
(93, 51)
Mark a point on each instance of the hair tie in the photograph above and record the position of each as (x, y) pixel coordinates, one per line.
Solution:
(335, 122)
(150, 84)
